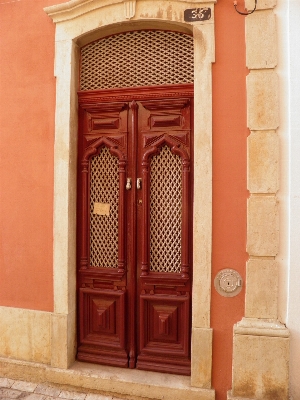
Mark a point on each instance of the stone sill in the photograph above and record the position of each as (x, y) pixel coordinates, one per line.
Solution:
(130, 384)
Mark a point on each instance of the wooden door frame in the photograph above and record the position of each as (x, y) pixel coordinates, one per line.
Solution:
(77, 24)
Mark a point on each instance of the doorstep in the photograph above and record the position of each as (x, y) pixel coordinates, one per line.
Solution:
(128, 383)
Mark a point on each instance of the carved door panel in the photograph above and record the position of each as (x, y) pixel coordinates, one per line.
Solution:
(101, 278)
(134, 229)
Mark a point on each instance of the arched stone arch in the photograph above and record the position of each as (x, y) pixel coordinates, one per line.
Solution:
(78, 22)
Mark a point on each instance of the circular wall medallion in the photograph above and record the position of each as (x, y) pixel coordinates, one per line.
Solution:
(228, 282)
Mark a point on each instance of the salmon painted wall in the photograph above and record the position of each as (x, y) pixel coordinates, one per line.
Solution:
(27, 101)
(229, 182)
(27, 104)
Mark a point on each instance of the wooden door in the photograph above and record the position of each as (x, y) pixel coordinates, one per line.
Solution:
(134, 227)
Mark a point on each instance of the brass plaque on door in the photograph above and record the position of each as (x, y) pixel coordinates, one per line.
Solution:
(101, 208)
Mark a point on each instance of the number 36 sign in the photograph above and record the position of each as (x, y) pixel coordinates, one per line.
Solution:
(197, 14)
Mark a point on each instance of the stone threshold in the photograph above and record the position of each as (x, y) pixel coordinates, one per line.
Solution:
(126, 383)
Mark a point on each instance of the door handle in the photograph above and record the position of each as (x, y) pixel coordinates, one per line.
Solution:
(128, 184)
(139, 183)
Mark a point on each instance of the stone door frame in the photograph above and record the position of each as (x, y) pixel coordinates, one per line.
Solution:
(77, 23)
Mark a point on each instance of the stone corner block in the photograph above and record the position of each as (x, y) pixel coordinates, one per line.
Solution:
(263, 162)
(261, 4)
(63, 340)
(263, 226)
(261, 39)
(260, 367)
(201, 357)
(262, 100)
(261, 289)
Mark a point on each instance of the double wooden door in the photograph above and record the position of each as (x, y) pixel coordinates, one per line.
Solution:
(134, 227)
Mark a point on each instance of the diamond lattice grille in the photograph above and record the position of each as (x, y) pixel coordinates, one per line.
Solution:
(139, 58)
(165, 212)
(104, 188)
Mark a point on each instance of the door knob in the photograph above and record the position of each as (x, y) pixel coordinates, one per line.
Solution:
(128, 184)
(139, 183)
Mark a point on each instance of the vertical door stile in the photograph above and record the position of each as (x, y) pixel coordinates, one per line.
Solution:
(145, 217)
(84, 215)
(185, 218)
(121, 217)
(132, 272)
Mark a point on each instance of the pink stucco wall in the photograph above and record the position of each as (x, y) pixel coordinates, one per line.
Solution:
(27, 101)
(27, 104)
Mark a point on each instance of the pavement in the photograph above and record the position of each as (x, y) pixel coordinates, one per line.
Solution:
(11, 389)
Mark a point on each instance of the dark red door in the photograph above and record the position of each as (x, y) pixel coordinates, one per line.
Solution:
(134, 228)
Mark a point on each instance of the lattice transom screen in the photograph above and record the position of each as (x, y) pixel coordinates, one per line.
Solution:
(104, 189)
(138, 58)
(165, 212)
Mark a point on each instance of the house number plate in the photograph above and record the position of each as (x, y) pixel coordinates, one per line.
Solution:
(197, 14)
(228, 282)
